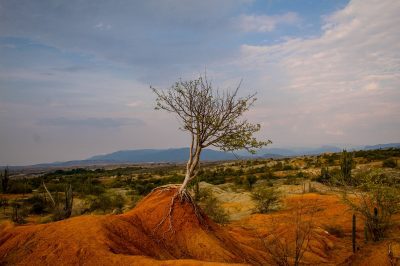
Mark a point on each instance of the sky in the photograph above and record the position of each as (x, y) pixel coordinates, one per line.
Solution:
(75, 75)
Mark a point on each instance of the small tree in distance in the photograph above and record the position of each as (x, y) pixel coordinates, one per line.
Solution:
(212, 118)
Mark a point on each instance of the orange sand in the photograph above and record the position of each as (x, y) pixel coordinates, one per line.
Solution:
(134, 238)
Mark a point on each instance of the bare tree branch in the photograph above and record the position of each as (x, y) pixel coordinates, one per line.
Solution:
(211, 116)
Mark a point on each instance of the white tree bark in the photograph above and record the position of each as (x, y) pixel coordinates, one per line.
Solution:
(191, 167)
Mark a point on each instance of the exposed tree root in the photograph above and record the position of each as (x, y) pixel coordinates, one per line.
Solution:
(183, 196)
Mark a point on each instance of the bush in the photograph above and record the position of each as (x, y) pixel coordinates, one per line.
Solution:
(118, 202)
(3, 204)
(250, 181)
(377, 201)
(268, 175)
(19, 212)
(212, 207)
(390, 163)
(287, 167)
(19, 187)
(38, 204)
(102, 202)
(266, 198)
(238, 180)
(325, 176)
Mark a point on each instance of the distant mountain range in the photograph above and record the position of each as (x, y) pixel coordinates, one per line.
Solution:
(181, 154)
(155, 156)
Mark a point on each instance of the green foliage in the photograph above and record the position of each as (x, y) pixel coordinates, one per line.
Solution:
(19, 212)
(325, 176)
(4, 180)
(287, 167)
(38, 204)
(380, 154)
(292, 180)
(346, 165)
(19, 187)
(216, 177)
(390, 163)
(4, 204)
(102, 202)
(377, 201)
(301, 175)
(268, 175)
(118, 202)
(250, 181)
(212, 207)
(238, 180)
(266, 198)
(144, 185)
(278, 166)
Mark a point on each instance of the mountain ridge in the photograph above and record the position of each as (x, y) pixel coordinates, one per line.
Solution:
(179, 155)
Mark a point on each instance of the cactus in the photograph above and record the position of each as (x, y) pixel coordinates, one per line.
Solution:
(353, 233)
(376, 234)
(346, 164)
(17, 216)
(4, 180)
(325, 176)
(365, 233)
(67, 210)
(69, 198)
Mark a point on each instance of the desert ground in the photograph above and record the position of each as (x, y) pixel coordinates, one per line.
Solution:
(129, 215)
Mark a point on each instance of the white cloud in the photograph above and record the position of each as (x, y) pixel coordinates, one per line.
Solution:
(103, 26)
(341, 79)
(263, 23)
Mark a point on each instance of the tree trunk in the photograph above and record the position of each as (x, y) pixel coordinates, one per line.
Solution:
(191, 169)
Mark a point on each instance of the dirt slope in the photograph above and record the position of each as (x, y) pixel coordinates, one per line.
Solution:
(134, 237)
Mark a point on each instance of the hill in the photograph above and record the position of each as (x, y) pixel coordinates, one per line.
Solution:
(154, 155)
(146, 236)
(178, 155)
(136, 237)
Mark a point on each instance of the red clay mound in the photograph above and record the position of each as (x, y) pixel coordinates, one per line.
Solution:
(187, 233)
(136, 237)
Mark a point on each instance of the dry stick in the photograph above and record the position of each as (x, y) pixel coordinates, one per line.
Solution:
(51, 197)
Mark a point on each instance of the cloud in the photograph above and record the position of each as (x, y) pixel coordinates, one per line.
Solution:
(147, 35)
(90, 122)
(103, 26)
(343, 83)
(263, 23)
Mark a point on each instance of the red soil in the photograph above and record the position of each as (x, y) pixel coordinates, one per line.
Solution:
(134, 238)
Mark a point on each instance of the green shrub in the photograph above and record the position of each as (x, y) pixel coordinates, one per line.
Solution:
(118, 202)
(266, 198)
(38, 204)
(4, 204)
(287, 167)
(238, 180)
(268, 175)
(19, 187)
(212, 207)
(377, 201)
(390, 163)
(250, 181)
(19, 212)
(102, 202)
(325, 176)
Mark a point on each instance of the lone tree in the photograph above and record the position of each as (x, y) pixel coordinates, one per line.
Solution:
(212, 117)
